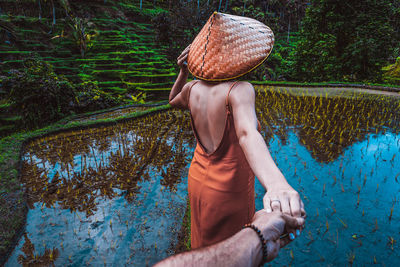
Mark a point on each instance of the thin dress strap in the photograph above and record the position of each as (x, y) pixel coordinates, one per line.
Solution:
(188, 97)
(228, 110)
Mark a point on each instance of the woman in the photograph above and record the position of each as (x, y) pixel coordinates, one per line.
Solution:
(229, 152)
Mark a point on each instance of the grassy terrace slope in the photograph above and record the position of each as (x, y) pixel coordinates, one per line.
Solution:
(122, 55)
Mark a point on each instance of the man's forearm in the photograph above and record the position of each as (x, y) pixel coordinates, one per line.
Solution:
(242, 249)
(179, 83)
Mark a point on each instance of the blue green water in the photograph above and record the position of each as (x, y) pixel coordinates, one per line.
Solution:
(361, 230)
(117, 195)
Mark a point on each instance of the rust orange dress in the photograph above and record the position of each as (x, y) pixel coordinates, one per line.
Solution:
(221, 187)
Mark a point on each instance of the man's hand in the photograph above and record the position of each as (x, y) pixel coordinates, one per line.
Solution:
(273, 225)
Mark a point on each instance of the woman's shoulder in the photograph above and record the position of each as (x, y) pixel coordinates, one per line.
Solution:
(191, 83)
(188, 86)
(244, 84)
(244, 92)
(243, 88)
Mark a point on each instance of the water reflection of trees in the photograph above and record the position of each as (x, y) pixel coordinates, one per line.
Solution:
(106, 162)
(32, 259)
(327, 125)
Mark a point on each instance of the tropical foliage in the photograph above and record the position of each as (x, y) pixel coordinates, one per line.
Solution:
(346, 40)
(39, 95)
(82, 32)
(392, 73)
(90, 98)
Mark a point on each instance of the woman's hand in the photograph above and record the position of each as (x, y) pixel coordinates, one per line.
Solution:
(182, 59)
(178, 95)
(282, 197)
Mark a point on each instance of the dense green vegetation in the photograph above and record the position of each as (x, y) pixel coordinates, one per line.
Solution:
(392, 73)
(104, 51)
(38, 94)
(347, 40)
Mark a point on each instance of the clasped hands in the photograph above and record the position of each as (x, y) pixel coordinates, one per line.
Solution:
(281, 197)
(273, 225)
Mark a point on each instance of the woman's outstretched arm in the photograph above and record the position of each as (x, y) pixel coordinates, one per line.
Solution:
(242, 101)
(179, 93)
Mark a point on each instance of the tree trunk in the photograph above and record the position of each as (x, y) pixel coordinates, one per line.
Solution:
(219, 7)
(40, 10)
(226, 5)
(244, 7)
(54, 12)
(83, 38)
(288, 32)
(141, 4)
(198, 8)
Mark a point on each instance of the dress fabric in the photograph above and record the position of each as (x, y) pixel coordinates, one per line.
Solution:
(220, 186)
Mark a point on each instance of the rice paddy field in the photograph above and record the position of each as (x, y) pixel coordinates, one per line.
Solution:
(116, 195)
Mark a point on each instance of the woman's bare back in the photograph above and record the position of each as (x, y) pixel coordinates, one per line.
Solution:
(208, 109)
(207, 105)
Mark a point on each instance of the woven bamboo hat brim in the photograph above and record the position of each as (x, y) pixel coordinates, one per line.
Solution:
(228, 47)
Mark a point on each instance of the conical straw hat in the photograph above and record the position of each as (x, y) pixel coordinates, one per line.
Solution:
(228, 47)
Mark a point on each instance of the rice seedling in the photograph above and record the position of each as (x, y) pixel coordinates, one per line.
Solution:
(375, 226)
(333, 210)
(334, 179)
(326, 228)
(343, 223)
(391, 242)
(351, 256)
(342, 188)
(321, 258)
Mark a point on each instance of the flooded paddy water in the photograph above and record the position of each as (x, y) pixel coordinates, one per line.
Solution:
(116, 195)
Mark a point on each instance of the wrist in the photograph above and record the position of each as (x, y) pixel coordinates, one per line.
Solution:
(254, 246)
(276, 181)
(259, 250)
(184, 70)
